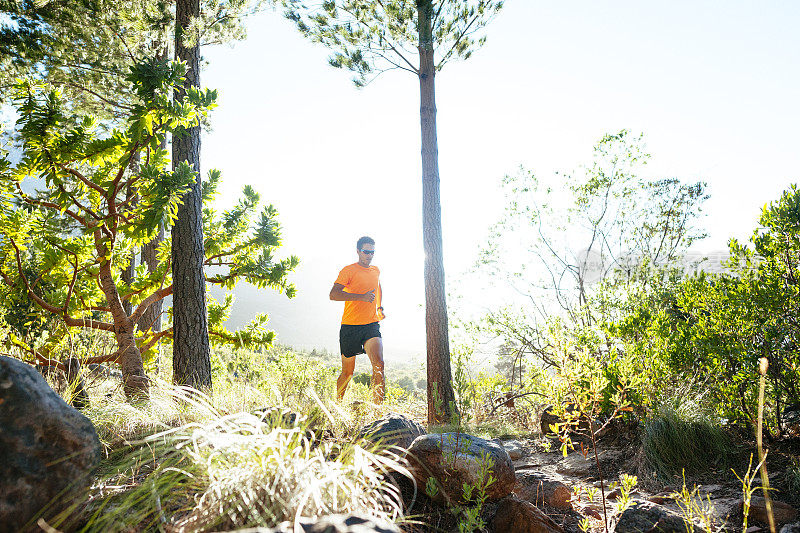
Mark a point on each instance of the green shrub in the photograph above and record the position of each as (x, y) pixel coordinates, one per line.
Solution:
(679, 436)
(362, 378)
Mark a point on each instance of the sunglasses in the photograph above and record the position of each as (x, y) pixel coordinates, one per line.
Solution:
(368, 252)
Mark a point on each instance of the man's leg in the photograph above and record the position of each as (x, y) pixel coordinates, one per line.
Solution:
(374, 349)
(348, 366)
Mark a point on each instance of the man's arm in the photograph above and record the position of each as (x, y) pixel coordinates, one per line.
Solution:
(338, 295)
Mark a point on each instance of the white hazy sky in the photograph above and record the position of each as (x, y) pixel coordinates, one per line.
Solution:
(713, 85)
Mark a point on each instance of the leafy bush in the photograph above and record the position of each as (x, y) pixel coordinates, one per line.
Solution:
(717, 326)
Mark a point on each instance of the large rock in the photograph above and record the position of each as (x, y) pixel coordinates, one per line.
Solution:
(514, 448)
(549, 419)
(352, 523)
(782, 512)
(539, 488)
(455, 459)
(641, 517)
(518, 516)
(393, 430)
(47, 448)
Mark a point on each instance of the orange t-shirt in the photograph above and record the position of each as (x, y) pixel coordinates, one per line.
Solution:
(358, 279)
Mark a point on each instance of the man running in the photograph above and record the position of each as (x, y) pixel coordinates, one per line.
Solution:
(359, 287)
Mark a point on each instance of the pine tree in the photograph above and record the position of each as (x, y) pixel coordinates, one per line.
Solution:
(191, 349)
(83, 47)
(370, 37)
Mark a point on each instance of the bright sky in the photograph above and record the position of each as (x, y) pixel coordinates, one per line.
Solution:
(713, 85)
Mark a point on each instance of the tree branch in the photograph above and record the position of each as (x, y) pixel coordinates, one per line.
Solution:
(456, 42)
(150, 300)
(47, 306)
(89, 183)
(104, 99)
(77, 203)
(50, 205)
(44, 361)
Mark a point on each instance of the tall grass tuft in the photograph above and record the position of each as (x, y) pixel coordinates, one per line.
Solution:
(216, 471)
(679, 437)
(792, 477)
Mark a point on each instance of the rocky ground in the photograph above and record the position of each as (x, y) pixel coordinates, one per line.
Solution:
(567, 489)
(718, 490)
(537, 489)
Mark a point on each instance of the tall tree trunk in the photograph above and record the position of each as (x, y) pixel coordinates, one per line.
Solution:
(441, 398)
(134, 380)
(151, 318)
(127, 277)
(127, 274)
(191, 363)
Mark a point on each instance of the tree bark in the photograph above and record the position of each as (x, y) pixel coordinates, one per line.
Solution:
(127, 274)
(191, 363)
(127, 277)
(441, 398)
(151, 319)
(135, 382)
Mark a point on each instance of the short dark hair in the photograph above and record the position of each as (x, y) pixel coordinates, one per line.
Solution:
(364, 240)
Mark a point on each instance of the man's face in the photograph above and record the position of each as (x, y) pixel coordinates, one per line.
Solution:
(365, 254)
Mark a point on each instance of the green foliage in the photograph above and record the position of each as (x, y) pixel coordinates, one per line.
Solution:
(85, 47)
(83, 218)
(590, 251)
(717, 326)
(585, 240)
(100, 197)
(362, 378)
(679, 437)
(466, 509)
(475, 495)
(694, 509)
(291, 376)
(627, 483)
(371, 37)
(748, 489)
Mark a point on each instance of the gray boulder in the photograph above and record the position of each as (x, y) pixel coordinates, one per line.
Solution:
(47, 448)
(352, 523)
(514, 448)
(641, 516)
(455, 459)
(392, 430)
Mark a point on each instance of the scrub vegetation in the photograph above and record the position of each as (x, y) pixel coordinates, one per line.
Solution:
(610, 324)
(646, 348)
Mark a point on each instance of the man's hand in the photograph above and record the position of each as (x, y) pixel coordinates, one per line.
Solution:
(368, 296)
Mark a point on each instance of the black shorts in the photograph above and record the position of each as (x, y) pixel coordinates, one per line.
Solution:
(352, 338)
